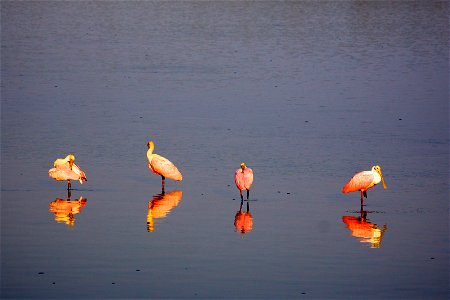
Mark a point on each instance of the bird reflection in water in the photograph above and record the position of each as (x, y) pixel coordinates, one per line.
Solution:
(364, 230)
(66, 209)
(243, 221)
(161, 205)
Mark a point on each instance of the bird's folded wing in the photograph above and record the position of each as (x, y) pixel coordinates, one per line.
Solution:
(361, 180)
(62, 174)
(77, 170)
(248, 177)
(165, 167)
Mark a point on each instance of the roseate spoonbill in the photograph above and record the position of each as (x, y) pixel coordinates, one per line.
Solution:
(161, 165)
(67, 169)
(243, 177)
(363, 181)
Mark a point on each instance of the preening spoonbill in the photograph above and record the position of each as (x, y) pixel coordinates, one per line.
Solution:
(243, 177)
(363, 181)
(161, 165)
(67, 169)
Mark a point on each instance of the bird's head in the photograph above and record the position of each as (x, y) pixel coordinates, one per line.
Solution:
(377, 169)
(150, 144)
(70, 159)
(243, 166)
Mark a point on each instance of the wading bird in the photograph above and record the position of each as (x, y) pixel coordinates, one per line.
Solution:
(162, 166)
(243, 177)
(363, 181)
(67, 169)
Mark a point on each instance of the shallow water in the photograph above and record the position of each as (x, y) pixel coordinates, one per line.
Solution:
(306, 93)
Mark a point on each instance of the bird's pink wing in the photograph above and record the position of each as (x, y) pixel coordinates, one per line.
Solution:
(360, 181)
(248, 178)
(77, 170)
(243, 179)
(62, 174)
(162, 166)
(239, 179)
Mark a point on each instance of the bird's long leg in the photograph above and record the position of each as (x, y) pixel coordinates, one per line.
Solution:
(362, 199)
(364, 215)
(68, 194)
(248, 207)
(162, 183)
(248, 193)
(69, 185)
(240, 207)
(242, 197)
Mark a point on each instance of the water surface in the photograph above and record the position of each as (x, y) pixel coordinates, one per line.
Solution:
(306, 93)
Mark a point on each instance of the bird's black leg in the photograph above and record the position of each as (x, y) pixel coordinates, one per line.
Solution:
(242, 197)
(162, 183)
(240, 207)
(362, 199)
(248, 207)
(68, 194)
(69, 185)
(248, 193)
(364, 215)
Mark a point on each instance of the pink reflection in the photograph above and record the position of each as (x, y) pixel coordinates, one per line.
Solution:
(66, 209)
(243, 221)
(160, 206)
(365, 231)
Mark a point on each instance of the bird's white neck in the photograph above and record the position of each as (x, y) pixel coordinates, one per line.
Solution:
(150, 154)
(376, 177)
(151, 147)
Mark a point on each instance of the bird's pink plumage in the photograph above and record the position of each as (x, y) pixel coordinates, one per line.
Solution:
(64, 172)
(243, 178)
(361, 181)
(162, 166)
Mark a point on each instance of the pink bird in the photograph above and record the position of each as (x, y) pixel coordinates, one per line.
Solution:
(363, 181)
(161, 165)
(67, 169)
(243, 177)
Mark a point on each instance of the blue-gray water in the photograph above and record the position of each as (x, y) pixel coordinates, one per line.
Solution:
(306, 93)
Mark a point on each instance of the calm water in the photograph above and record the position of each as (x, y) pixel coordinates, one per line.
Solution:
(306, 93)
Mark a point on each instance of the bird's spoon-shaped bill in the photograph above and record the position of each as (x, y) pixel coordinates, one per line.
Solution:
(384, 183)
